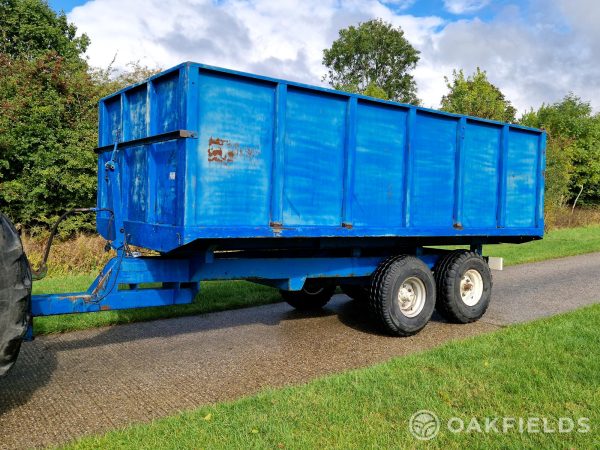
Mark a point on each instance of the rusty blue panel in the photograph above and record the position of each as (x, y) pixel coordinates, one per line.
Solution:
(231, 167)
(261, 157)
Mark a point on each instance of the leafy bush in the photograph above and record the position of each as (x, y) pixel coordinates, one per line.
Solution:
(573, 150)
(48, 120)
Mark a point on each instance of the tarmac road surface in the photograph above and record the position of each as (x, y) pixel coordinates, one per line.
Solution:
(65, 386)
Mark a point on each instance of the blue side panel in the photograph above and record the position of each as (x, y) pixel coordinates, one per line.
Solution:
(206, 152)
(164, 196)
(481, 151)
(522, 166)
(136, 101)
(230, 171)
(136, 162)
(314, 158)
(166, 99)
(433, 167)
(103, 200)
(380, 142)
(111, 120)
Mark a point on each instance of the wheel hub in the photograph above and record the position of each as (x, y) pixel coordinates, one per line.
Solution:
(471, 287)
(411, 297)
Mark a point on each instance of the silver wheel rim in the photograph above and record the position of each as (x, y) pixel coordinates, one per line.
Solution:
(411, 297)
(471, 287)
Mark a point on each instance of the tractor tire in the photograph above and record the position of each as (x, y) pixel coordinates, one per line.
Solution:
(402, 295)
(15, 294)
(464, 286)
(313, 296)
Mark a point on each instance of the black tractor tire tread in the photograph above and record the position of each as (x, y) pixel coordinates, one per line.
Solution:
(376, 287)
(445, 274)
(15, 294)
(381, 284)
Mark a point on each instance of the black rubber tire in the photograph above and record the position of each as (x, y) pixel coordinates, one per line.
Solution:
(385, 283)
(356, 292)
(15, 294)
(448, 273)
(314, 295)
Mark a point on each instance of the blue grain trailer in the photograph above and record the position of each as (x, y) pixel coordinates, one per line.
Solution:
(228, 175)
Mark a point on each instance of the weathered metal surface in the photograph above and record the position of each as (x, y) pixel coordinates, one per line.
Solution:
(311, 161)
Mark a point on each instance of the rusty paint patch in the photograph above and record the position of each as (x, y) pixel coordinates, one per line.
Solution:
(105, 308)
(277, 228)
(101, 283)
(458, 226)
(347, 225)
(224, 151)
(74, 298)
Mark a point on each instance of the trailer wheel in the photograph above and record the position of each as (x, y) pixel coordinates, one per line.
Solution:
(15, 294)
(314, 295)
(402, 295)
(464, 286)
(356, 292)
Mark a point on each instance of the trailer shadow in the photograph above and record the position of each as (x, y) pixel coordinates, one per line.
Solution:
(356, 315)
(32, 371)
(39, 359)
(349, 312)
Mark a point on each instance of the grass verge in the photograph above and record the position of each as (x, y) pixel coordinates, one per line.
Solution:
(546, 369)
(218, 296)
(556, 244)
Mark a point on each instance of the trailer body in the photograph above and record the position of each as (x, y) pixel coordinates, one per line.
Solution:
(212, 154)
(227, 175)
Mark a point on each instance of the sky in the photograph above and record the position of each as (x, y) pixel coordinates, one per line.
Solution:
(535, 51)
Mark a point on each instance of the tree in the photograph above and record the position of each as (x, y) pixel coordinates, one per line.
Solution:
(573, 150)
(476, 96)
(373, 58)
(110, 80)
(30, 28)
(48, 115)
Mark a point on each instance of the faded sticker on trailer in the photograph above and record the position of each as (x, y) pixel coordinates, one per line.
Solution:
(226, 152)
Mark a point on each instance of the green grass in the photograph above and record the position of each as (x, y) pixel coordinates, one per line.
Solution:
(546, 369)
(556, 244)
(218, 296)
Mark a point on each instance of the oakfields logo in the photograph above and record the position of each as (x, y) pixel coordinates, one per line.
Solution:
(425, 425)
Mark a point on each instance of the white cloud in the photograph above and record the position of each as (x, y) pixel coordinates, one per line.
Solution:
(532, 60)
(279, 38)
(464, 6)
